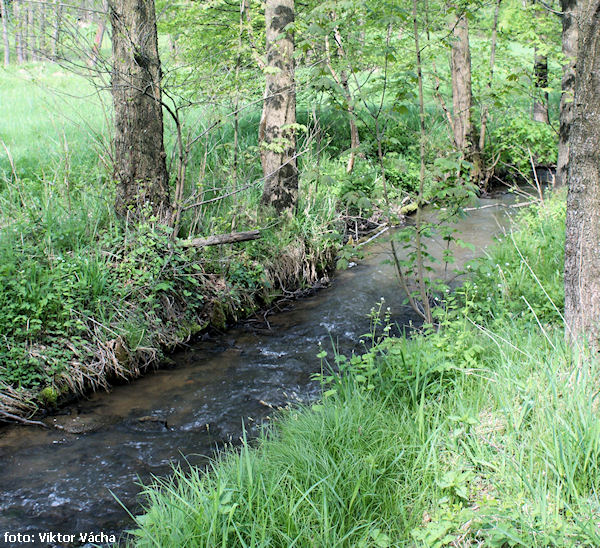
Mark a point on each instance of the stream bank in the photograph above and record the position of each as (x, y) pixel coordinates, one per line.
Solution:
(62, 481)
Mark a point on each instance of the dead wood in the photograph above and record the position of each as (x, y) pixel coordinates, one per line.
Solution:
(220, 239)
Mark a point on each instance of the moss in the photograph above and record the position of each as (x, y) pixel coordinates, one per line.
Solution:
(409, 209)
(49, 396)
(190, 329)
(218, 317)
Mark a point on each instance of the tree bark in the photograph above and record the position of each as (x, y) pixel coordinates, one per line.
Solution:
(460, 66)
(570, 32)
(277, 139)
(18, 19)
(56, 31)
(5, 39)
(540, 103)
(582, 250)
(140, 168)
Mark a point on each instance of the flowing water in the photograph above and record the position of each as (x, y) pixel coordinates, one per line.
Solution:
(62, 481)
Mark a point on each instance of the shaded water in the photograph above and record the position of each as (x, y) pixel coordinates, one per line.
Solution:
(61, 482)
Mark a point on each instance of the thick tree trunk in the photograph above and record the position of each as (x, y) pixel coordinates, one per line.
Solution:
(540, 103)
(5, 40)
(277, 139)
(570, 34)
(460, 66)
(582, 251)
(140, 168)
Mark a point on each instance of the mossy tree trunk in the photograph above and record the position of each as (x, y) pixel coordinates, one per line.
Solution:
(277, 132)
(582, 252)
(139, 156)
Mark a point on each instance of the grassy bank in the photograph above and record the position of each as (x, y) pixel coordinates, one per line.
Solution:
(483, 432)
(86, 300)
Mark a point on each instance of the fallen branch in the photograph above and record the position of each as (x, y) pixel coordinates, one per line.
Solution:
(373, 237)
(16, 418)
(520, 204)
(220, 239)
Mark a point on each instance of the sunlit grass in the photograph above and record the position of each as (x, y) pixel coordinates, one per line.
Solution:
(484, 432)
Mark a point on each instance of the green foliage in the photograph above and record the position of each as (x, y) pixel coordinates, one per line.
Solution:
(523, 274)
(74, 278)
(481, 432)
(516, 141)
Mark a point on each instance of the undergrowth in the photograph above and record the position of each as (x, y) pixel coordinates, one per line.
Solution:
(482, 431)
(85, 298)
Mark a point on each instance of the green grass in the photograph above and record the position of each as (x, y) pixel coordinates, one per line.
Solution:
(80, 291)
(77, 286)
(484, 432)
(51, 124)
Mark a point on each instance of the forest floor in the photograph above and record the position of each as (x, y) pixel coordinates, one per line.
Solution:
(482, 431)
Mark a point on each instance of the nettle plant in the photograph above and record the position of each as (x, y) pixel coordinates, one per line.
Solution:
(414, 261)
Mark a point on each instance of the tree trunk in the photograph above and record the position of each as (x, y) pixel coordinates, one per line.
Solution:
(140, 168)
(24, 11)
(18, 19)
(4, 14)
(42, 38)
(56, 32)
(354, 136)
(461, 84)
(277, 139)
(480, 173)
(540, 103)
(31, 34)
(569, 48)
(582, 250)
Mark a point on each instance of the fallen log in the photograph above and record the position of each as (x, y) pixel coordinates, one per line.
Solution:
(220, 239)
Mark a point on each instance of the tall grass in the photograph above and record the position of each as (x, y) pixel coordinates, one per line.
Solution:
(484, 432)
(80, 290)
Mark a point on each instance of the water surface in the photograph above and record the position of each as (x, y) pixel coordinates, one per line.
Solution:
(63, 482)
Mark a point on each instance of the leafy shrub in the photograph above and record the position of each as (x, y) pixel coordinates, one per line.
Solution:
(512, 141)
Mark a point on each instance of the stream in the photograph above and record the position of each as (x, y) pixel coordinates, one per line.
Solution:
(62, 481)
